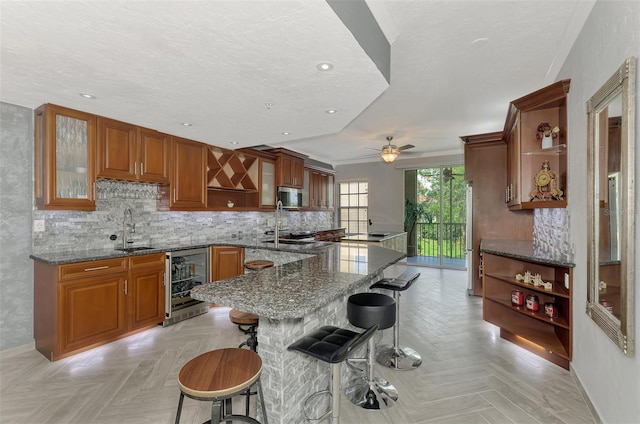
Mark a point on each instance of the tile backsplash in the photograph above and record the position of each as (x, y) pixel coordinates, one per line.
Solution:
(81, 230)
(551, 233)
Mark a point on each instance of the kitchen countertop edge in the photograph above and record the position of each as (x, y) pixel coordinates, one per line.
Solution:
(523, 249)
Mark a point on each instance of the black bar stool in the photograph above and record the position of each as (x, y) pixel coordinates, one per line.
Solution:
(333, 345)
(397, 357)
(219, 375)
(365, 310)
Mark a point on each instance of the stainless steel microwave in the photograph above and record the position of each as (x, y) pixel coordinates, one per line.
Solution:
(291, 198)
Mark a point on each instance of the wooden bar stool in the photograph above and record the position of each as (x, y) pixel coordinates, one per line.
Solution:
(247, 322)
(219, 375)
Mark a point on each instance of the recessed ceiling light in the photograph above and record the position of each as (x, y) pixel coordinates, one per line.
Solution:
(186, 124)
(324, 66)
(87, 96)
(331, 111)
(233, 142)
(285, 133)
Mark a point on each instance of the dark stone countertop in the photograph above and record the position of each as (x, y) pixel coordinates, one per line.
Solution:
(371, 238)
(523, 249)
(291, 290)
(59, 258)
(296, 289)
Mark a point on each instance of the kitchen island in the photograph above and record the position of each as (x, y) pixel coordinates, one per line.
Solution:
(292, 300)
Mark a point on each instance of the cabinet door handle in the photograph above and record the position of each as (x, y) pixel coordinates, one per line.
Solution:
(141, 168)
(135, 168)
(126, 286)
(96, 268)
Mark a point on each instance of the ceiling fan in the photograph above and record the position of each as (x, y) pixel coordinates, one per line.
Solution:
(390, 152)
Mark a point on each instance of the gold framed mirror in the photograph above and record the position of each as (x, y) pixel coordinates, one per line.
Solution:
(611, 205)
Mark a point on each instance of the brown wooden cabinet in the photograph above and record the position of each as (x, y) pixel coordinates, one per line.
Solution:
(289, 167)
(318, 190)
(188, 175)
(81, 305)
(131, 153)
(485, 162)
(528, 152)
(550, 338)
(64, 150)
(226, 262)
(145, 291)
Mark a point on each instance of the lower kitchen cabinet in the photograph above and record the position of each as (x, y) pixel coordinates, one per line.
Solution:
(226, 262)
(145, 291)
(505, 299)
(86, 304)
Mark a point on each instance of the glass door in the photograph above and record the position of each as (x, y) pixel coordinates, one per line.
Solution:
(440, 225)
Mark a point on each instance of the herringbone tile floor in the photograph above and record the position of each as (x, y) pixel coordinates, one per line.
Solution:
(468, 375)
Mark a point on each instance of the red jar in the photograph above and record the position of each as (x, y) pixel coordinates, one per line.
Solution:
(551, 310)
(533, 304)
(517, 298)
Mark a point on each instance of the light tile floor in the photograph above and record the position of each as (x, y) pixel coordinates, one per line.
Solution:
(468, 375)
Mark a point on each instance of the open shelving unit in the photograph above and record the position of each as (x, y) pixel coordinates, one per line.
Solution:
(550, 338)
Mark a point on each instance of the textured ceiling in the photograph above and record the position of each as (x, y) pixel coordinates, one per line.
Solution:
(216, 64)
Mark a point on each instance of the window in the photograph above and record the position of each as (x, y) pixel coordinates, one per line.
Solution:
(353, 200)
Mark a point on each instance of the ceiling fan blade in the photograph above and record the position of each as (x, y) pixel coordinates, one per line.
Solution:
(371, 148)
(406, 146)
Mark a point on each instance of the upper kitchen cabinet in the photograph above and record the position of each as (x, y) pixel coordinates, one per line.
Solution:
(267, 183)
(65, 145)
(289, 168)
(536, 135)
(318, 190)
(188, 175)
(127, 152)
(231, 170)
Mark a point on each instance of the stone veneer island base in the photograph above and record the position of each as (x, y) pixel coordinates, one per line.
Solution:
(292, 300)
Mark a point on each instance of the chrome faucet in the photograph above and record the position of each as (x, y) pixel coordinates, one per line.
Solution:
(278, 216)
(127, 228)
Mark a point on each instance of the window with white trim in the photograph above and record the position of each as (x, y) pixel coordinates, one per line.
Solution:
(353, 201)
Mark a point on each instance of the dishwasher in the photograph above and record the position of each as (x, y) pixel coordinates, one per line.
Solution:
(185, 270)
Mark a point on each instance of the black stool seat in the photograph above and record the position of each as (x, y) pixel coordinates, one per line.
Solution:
(396, 356)
(331, 344)
(401, 283)
(367, 309)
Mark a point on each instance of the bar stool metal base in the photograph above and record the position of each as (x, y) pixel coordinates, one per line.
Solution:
(401, 358)
(375, 394)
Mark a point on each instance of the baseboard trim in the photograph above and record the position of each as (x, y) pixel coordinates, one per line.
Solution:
(8, 353)
(586, 397)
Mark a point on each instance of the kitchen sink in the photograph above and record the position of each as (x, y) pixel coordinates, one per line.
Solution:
(133, 249)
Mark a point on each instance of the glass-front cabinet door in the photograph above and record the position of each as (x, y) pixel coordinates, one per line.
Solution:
(65, 143)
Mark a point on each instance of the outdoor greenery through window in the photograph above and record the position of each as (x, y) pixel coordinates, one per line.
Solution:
(352, 207)
(437, 202)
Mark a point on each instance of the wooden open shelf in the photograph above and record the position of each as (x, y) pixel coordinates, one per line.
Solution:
(230, 170)
(550, 338)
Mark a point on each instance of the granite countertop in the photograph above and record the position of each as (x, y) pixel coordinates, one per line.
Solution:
(59, 258)
(295, 289)
(372, 237)
(524, 249)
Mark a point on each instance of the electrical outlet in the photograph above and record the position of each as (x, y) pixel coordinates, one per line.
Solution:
(38, 225)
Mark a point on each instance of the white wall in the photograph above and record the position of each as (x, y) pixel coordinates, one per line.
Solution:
(611, 380)
(386, 192)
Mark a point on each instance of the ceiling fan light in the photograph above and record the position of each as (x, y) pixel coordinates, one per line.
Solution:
(389, 154)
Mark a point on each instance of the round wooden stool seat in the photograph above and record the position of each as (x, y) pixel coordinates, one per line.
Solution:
(242, 318)
(220, 373)
(258, 264)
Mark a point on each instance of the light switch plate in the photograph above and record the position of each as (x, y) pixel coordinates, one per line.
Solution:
(38, 225)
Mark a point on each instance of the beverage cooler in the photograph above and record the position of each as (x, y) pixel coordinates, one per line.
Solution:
(185, 270)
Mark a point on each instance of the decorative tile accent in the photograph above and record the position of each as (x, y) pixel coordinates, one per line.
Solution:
(551, 233)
